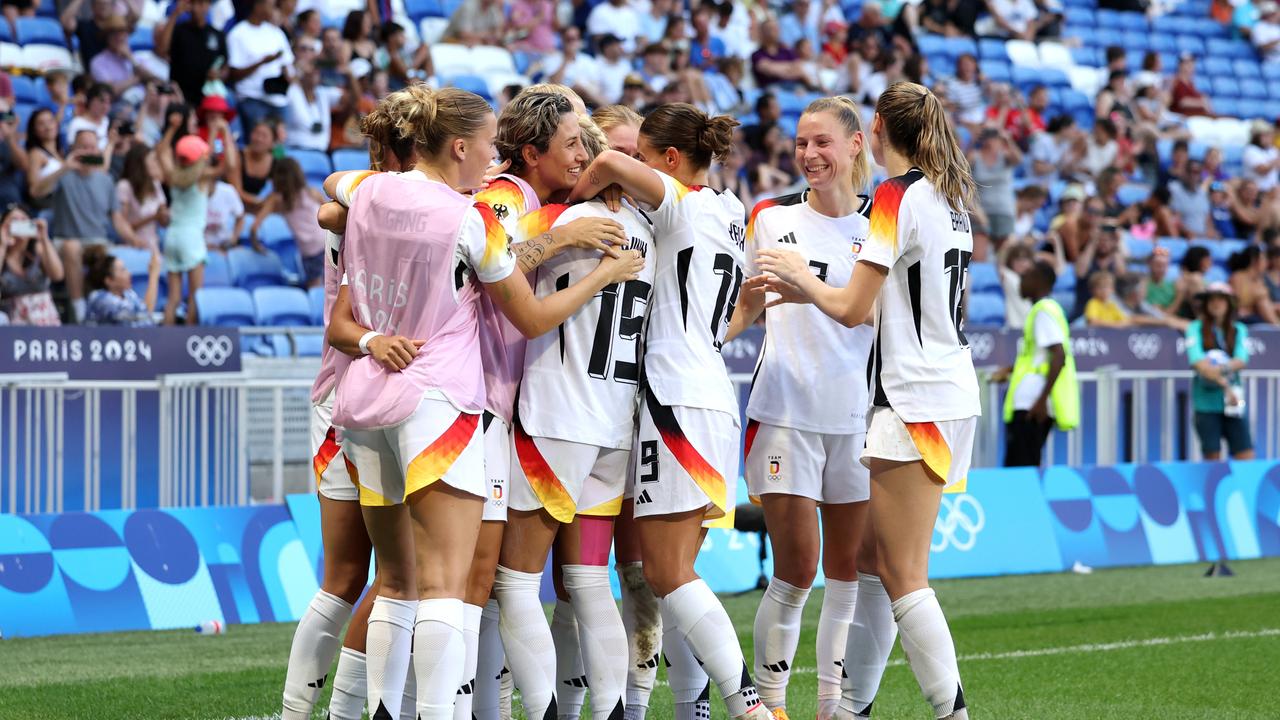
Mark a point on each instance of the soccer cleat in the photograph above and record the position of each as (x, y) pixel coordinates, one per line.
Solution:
(759, 712)
(780, 714)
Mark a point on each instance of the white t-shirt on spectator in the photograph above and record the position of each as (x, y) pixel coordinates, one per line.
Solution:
(309, 123)
(81, 122)
(1254, 157)
(612, 76)
(583, 71)
(247, 44)
(1263, 33)
(606, 19)
(736, 35)
(1017, 13)
(1047, 334)
(1045, 148)
(222, 209)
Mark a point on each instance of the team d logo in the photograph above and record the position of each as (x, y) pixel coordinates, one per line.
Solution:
(497, 491)
(775, 468)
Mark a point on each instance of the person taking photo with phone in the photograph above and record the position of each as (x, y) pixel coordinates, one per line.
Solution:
(260, 59)
(30, 264)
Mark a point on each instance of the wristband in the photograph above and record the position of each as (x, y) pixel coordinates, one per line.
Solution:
(364, 340)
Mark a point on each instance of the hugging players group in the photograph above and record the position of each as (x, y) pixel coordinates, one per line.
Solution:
(530, 364)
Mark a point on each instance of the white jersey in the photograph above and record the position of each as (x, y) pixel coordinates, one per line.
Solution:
(580, 380)
(811, 369)
(920, 365)
(699, 236)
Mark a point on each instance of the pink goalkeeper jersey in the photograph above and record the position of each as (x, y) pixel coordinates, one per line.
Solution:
(330, 358)
(411, 247)
(501, 344)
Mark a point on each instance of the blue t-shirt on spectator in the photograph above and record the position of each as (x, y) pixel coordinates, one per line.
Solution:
(705, 56)
(1221, 215)
(107, 308)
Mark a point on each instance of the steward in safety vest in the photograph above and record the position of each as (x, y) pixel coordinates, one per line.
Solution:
(1042, 382)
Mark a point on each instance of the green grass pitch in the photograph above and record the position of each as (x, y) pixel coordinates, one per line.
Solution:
(1158, 642)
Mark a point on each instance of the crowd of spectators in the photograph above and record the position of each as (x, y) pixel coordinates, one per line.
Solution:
(168, 149)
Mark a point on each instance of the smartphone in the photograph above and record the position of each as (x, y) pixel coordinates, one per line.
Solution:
(92, 159)
(8, 116)
(165, 89)
(23, 228)
(126, 127)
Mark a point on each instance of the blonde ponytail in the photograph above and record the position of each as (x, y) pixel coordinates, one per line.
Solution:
(847, 113)
(916, 125)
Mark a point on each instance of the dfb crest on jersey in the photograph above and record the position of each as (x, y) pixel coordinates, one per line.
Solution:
(501, 211)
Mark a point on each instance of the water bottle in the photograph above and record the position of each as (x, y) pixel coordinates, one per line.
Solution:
(211, 627)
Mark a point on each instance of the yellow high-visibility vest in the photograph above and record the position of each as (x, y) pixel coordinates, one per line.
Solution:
(1064, 398)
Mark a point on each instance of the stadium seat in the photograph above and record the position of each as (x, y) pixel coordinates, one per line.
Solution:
(281, 306)
(1253, 88)
(225, 306)
(141, 39)
(992, 49)
(1134, 21)
(1216, 274)
(790, 103)
(1085, 55)
(1222, 250)
(1164, 44)
(1055, 55)
(42, 30)
(957, 46)
(1191, 44)
(986, 309)
(290, 259)
(488, 59)
(1177, 247)
(1247, 68)
(350, 159)
(1022, 53)
(136, 260)
(419, 9)
(1215, 65)
(1138, 249)
(274, 231)
(315, 164)
(450, 59)
(1226, 86)
(1136, 41)
(217, 272)
(45, 57)
(929, 44)
(1066, 281)
(1132, 193)
(252, 270)
(983, 277)
(470, 83)
(315, 297)
(1227, 106)
(431, 30)
(996, 71)
(24, 89)
(310, 345)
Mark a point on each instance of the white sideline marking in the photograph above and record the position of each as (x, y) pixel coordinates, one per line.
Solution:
(1039, 652)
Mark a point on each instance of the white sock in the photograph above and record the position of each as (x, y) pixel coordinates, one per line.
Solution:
(571, 677)
(710, 634)
(439, 656)
(531, 654)
(79, 307)
(776, 635)
(409, 698)
(387, 653)
(685, 675)
(866, 652)
(643, 622)
(838, 601)
(349, 686)
(315, 642)
(926, 640)
(489, 669)
(465, 701)
(506, 691)
(601, 636)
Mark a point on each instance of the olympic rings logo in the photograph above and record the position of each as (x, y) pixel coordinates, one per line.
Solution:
(208, 350)
(982, 345)
(960, 519)
(1144, 346)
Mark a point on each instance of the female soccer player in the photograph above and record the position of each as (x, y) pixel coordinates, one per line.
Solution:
(413, 245)
(804, 434)
(345, 541)
(687, 464)
(924, 390)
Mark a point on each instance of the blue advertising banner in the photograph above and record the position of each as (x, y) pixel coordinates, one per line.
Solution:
(132, 570)
(118, 353)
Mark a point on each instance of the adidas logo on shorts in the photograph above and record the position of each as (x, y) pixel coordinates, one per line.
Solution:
(643, 498)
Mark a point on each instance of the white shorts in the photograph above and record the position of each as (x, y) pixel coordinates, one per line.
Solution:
(566, 478)
(819, 466)
(944, 446)
(688, 460)
(497, 466)
(437, 442)
(327, 459)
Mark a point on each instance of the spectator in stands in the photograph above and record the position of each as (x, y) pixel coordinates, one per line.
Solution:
(141, 197)
(1101, 149)
(1220, 210)
(731, 172)
(1116, 99)
(704, 50)
(725, 86)
(966, 93)
(774, 63)
(1161, 291)
(357, 36)
(1212, 168)
(310, 26)
(112, 299)
(188, 173)
(1191, 281)
(1103, 253)
(1247, 269)
(298, 203)
(310, 115)
(1077, 220)
(532, 25)
(402, 64)
(805, 19)
(196, 51)
(1102, 310)
(88, 31)
(1131, 289)
(1108, 184)
(1261, 158)
(1244, 17)
(256, 162)
(1265, 35)
(13, 158)
(1012, 261)
(30, 265)
(224, 219)
(150, 119)
(574, 68)
(85, 210)
(655, 67)
(1056, 152)
(1117, 59)
(95, 119)
(1217, 351)
(1015, 19)
(992, 164)
(114, 65)
(888, 69)
(1246, 207)
(477, 22)
(1152, 72)
(613, 67)
(44, 156)
(260, 58)
(1189, 198)
(768, 113)
(14, 9)
(1272, 275)
(617, 18)
(1186, 98)
(1029, 201)
(1154, 217)
(635, 92)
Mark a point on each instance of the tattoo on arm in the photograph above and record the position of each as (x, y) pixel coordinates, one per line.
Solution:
(593, 177)
(529, 254)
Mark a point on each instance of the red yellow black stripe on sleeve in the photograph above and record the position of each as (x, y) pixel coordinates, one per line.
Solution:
(495, 236)
(781, 200)
(884, 213)
(505, 197)
(539, 221)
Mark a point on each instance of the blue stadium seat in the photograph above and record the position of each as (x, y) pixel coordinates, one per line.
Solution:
(1136, 41)
(274, 231)
(1271, 71)
(281, 306)
(135, 260)
(1229, 107)
(1162, 43)
(350, 159)
(1066, 282)
(287, 253)
(251, 270)
(141, 39)
(43, 30)
(1086, 56)
(957, 46)
(24, 89)
(1216, 65)
(1273, 89)
(1139, 249)
(1132, 193)
(470, 83)
(992, 49)
(418, 9)
(1253, 88)
(1135, 22)
(1216, 274)
(47, 8)
(1074, 99)
(217, 272)
(225, 306)
(1207, 27)
(1224, 249)
(23, 112)
(1084, 15)
(315, 296)
(1247, 69)
(315, 164)
(941, 65)
(1191, 44)
(983, 277)
(986, 309)
(1225, 86)
(930, 44)
(1177, 247)
(996, 71)
(790, 103)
